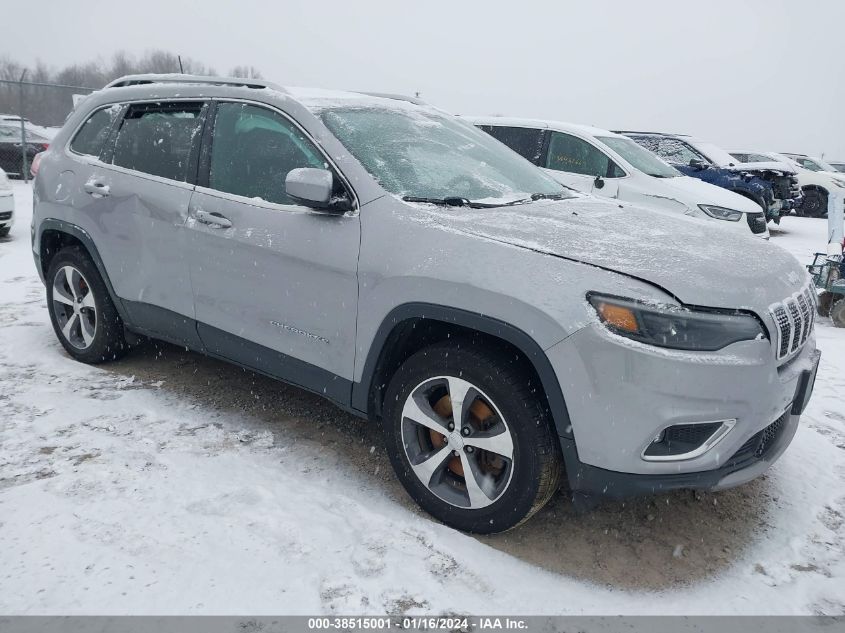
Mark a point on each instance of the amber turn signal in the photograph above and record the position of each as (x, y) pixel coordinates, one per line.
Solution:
(620, 317)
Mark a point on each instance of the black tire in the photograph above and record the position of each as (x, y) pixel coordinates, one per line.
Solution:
(537, 465)
(837, 313)
(814, 204)
(108, 342)
(5, 231)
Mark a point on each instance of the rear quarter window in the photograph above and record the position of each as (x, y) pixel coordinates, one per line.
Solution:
(92, 135)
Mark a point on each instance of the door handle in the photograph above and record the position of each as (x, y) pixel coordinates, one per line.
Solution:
(97, 188)
(213, 219)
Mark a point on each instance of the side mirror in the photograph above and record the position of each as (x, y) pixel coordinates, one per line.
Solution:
(698, 164)
(310, 186)
(598, 183)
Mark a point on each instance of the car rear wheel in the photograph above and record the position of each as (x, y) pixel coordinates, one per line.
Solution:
(5, 231)
(81, 310)
(837, 313)
(469, 438)
(814, 204)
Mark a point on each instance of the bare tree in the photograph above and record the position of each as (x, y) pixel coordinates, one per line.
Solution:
(51, 105)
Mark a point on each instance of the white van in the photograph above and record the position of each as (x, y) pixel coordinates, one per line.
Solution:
(597, 161)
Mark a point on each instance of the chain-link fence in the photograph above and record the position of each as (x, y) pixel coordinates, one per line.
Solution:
(30, 115)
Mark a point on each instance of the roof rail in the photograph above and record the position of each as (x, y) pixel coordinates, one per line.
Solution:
(652, 132)
(177, 78)
(396, 97)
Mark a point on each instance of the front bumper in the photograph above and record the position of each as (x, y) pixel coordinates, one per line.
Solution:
(621, 394)
(7, 209)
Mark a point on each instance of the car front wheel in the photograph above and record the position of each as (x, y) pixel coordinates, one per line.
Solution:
(469, 437)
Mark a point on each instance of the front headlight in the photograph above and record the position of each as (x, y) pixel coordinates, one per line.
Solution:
(721, 213)
(674, 327)
(838, 182)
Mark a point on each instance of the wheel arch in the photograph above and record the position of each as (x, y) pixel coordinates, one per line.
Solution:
(54, 235)
(815, 187)
(412, 326)
(754, 197)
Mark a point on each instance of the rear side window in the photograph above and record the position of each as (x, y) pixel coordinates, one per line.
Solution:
(93, 133)
(157, 138)
(527, 142)
(252, 151)
(577, 156)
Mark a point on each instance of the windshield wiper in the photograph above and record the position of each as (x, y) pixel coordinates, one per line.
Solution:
(451, 201)
(549, 196)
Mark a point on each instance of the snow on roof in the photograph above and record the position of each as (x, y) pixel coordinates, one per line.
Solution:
(561, 126)
(320, 98)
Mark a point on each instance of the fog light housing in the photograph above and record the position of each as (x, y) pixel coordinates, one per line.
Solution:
(686, 441)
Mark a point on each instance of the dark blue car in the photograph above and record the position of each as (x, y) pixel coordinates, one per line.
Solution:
(771, 185)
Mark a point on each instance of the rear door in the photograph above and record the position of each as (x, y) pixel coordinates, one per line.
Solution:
(525, 141)
(143, 187)
(275, 282)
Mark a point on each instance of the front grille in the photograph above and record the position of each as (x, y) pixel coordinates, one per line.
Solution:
(6, 215)
(759, 445)
(794, 319)
(756, 222)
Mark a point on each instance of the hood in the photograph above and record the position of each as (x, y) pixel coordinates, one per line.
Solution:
(783, 168)
(697, 262)
(692, 192)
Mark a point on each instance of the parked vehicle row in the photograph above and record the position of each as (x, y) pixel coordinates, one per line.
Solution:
(816, 179)
(610, 165)
(771, 185)
(506, 332)
(11, 156)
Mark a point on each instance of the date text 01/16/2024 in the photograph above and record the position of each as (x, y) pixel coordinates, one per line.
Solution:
(417, 623)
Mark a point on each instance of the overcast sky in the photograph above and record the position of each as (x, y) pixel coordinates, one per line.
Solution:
(752, 74)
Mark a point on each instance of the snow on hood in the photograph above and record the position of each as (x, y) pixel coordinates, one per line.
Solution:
(696, 261)
(762, 166)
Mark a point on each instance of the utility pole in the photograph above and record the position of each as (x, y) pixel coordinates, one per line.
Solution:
(24, 165)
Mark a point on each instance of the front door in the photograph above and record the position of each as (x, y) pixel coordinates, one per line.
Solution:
(275, 282)
(576, 163)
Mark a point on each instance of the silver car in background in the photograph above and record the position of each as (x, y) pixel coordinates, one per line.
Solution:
(507, 335)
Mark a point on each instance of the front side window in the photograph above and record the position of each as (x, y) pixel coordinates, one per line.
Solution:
(253, 149)
(157, 138)
(525, 141)
(93, 133)
(577, 156)
(420, 152)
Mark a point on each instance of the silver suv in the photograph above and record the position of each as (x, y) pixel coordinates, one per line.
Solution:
(508, 334)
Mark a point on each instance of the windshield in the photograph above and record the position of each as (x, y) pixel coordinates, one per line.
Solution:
(716, 154)
(816, 164)
(639, 157)
(420, 153)
(838, 166)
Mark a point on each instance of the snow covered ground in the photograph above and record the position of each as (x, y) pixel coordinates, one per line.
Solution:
(170, 483)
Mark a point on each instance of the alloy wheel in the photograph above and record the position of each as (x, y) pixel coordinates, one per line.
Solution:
(74, 307)
(457, 442)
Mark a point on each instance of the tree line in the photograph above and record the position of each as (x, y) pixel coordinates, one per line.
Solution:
(50, 105)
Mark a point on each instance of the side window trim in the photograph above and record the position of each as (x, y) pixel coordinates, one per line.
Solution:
(204, 166)
(107, 151)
